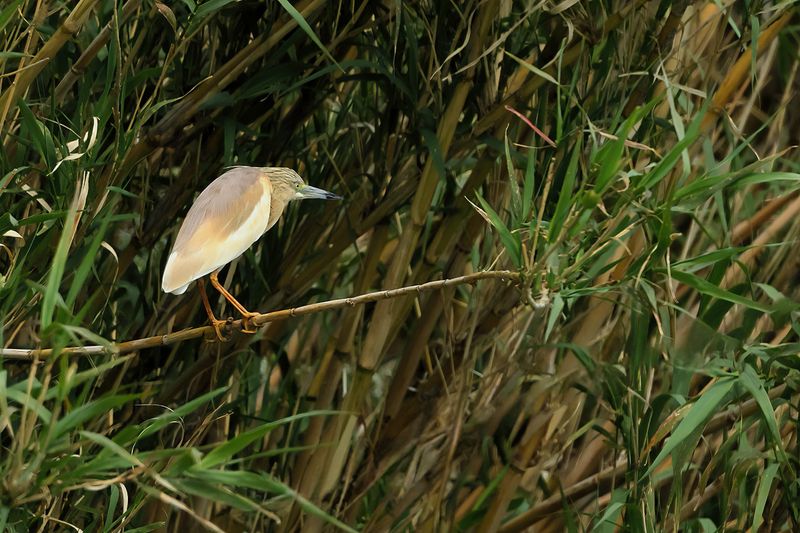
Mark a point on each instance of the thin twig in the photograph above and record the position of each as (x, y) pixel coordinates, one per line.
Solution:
(259, 320)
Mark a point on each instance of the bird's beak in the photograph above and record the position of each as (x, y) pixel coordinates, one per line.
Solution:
(309, 192)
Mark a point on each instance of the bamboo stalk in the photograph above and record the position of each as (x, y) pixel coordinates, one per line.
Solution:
(534, 435)
(326, 381)
(231, 70)
(387, 315)
(79, 67)
(735, 272)
(162, 132)
(22, 82)
(601, 481)
(738, 73)
(498, 116)
(745, 229)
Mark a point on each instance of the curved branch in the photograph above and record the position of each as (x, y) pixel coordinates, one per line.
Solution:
(259, 320)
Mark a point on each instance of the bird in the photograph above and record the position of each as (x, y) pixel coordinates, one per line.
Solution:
(227, 217)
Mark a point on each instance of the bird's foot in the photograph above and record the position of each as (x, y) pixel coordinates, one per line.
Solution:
(247, 323)
(219, 326)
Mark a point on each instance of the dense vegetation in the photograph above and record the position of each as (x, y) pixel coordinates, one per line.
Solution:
(630, 162)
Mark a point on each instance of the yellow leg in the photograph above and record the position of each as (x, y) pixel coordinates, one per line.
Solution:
(246, 325)
(201, 285)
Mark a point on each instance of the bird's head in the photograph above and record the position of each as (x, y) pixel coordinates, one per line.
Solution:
(287, 185)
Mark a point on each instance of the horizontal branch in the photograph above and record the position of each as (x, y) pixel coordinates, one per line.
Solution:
(259, 320)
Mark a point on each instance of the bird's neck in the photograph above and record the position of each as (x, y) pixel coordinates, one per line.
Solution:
(275, 211)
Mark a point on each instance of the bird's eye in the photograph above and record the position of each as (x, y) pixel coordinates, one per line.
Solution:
(298, 185)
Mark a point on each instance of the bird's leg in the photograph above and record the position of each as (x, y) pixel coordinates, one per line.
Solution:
(201, 285)
(247, 315)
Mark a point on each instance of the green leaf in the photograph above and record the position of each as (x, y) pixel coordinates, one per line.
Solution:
(539, 72)
(264, 483)
(511, 241)
(112, 506)
(210, 7)
(42, 217)
(10, 175)
(306, 28)
(225, 451)
(705, 287)
(580, 353)
(491, 488)
(766, 177)
(112, 446)
(755, 32)
(609, 158)
(169, 416)
(85, 267)
(22, 398)
(707, 525)
(566, 195)
(203, 489)
(608, 522)
(694, 419)
(435, 152)
(667, 163)
(51, 294)
(95, 410)
(553, 315)
(750, 381)
(705, 186)
(529, 185)
(5, 16)
(693, 264)
(516, 200)
(765, 480)
(7, 222)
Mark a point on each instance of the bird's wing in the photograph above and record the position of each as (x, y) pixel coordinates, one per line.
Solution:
(225, 219)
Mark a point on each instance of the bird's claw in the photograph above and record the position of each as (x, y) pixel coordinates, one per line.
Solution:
(219, 325)
(247, 323)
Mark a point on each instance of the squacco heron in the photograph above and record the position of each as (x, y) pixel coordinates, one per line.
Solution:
(232, 213)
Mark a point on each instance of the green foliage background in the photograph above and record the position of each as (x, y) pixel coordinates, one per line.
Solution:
(632, 161)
